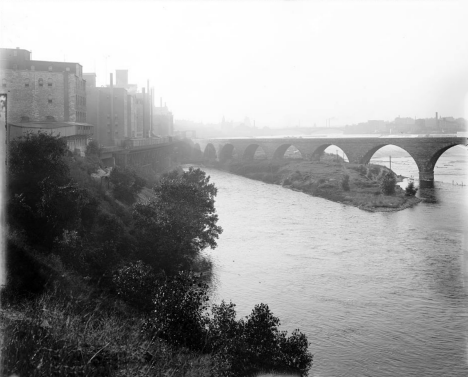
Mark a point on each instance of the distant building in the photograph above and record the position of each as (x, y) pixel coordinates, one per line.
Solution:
(41, 91)
(110, 111)
(45, 96)
(370, 127)
(163, 121)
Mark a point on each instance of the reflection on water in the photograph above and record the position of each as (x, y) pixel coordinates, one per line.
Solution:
(428, 194)
(378, 294)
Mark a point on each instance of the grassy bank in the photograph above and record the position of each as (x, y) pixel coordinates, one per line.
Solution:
(325, 179)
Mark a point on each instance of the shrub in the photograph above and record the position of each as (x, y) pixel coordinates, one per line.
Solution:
(387, 184)
(345, 182)
(126, 184)
(247, 347)
(410, 189)
(136, 283)
(179, 315)
(93, 149)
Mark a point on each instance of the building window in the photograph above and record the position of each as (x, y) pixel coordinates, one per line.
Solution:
(50, 118)
(26, 82)
(24, 119)
(49, 82)
(50, 98)
(3, 83)
(41, 82)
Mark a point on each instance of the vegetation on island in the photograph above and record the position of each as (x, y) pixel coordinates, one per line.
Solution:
(105, 281)
(368, 187)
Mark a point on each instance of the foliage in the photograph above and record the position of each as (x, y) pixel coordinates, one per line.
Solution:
(63, 336)
(247, 347)
(239, 347)
(387, 184)
(42, 199)
(126, 184)
(179, 222)
(93, 149)
(180, 311)
(410, 189)
(345, 182)
(136, 284)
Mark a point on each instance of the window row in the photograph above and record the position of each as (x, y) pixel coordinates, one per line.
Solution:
(80, 101)
(81, 116)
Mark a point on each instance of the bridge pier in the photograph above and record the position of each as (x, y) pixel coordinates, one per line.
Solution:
(426, 179)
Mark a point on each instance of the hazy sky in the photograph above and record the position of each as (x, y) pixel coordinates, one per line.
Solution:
(280, 63)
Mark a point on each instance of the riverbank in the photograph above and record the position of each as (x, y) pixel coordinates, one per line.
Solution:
(324, 179)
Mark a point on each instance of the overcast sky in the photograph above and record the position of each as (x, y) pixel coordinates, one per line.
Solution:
(281, 63)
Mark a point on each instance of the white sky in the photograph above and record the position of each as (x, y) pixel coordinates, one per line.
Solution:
(280, 63)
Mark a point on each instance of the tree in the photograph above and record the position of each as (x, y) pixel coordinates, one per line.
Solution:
(43, 201)
(126, 184)
(179, 222)
(387, 184)
(345, 182)
(93, 149)
(255, 344)
(410, 189)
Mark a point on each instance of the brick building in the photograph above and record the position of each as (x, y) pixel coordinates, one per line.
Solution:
(41, 91)
(114, 119)
(44, 96)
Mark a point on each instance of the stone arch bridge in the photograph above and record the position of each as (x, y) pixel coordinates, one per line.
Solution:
(424, 150)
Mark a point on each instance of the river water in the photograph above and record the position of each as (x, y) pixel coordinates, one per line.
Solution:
(377, 294)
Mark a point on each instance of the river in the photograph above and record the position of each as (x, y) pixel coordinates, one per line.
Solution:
(377, 294)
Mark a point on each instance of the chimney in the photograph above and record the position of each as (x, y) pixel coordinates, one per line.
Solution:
(112, 131)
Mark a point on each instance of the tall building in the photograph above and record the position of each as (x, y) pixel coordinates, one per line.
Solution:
(110, 111)
(163, 121)
(44, 96)
(42, 90)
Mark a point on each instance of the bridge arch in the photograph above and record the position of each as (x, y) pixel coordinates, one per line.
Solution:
(227, 152)
(196, 152)
(368, 155)
(252, 150)
(319, 151)
(435, 157)
(209, 152)
(281, 150)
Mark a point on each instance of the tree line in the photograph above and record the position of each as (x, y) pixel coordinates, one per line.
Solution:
(69, 237)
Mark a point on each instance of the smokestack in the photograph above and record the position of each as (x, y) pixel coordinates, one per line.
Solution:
(112, 131)
(160, 101)
(144, 108)
(437, 115)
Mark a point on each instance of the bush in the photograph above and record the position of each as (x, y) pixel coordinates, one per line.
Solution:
(387, 184)
(126, 185)
(180, 316)
(93, 149)
(247, 347)
(136, 283)
(410, 189)
(345, 182)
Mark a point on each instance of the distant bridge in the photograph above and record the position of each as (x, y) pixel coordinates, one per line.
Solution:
(425, 150)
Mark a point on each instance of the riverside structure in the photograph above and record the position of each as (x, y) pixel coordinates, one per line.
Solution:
(425, 150)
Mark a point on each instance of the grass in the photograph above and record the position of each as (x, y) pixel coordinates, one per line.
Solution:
(323, 179)
(47, 337)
